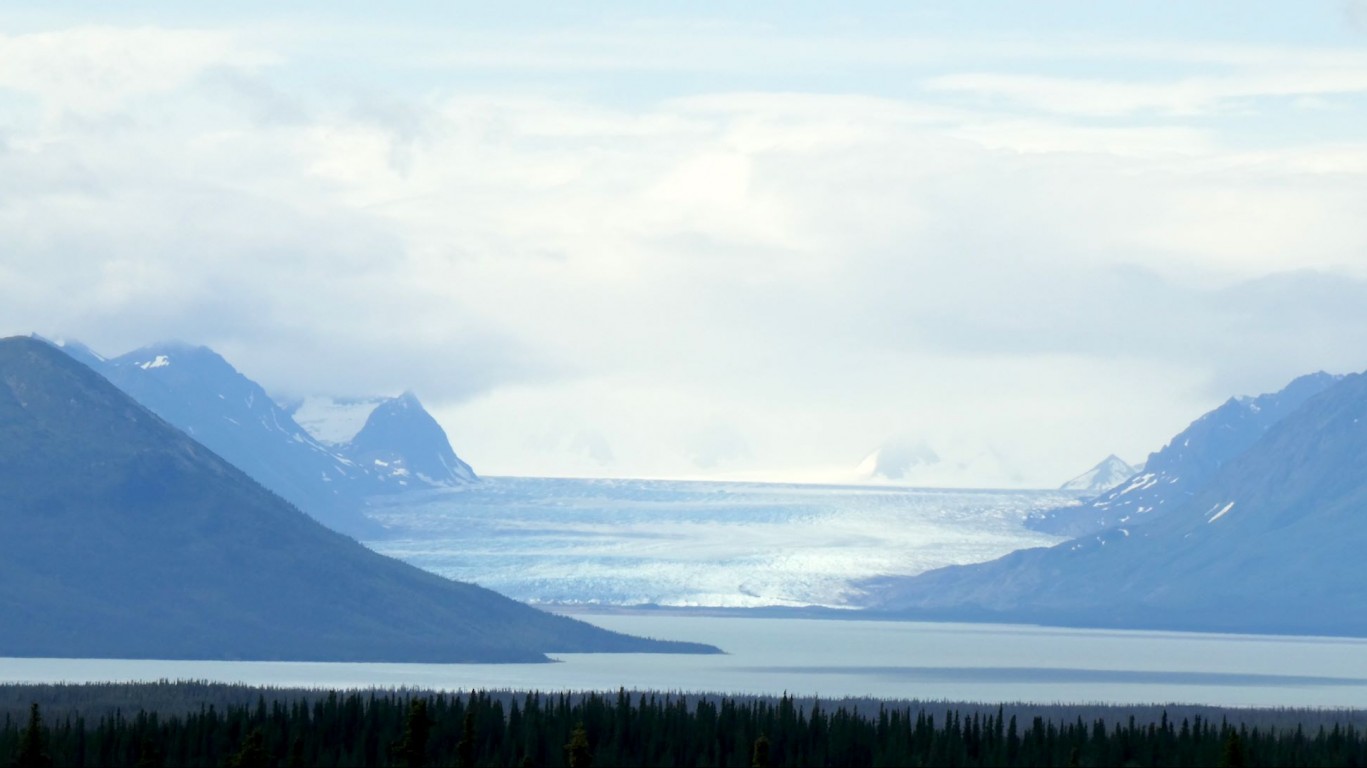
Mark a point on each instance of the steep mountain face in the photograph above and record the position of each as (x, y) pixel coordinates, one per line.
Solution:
(199, 392)
(1103, 477)
(123, 537)
(1185, 465)
(1272, 543)
(402, 443)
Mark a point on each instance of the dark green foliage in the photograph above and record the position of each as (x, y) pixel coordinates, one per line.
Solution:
(759, 756)
(1234, 751)
(252, 753)
(412, 750)
(465, 750)
(228, 726)
(33, 743)
(577, 754)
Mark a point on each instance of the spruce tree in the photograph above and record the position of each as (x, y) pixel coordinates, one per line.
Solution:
(577, 751)
(759, 756)
(33, 744)
(412, 750)
(465, 750)
(1234, 751)
(252, 753)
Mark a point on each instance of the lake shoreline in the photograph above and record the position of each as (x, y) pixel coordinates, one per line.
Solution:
(883, 660)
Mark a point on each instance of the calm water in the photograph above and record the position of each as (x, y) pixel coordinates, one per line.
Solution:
(833, 658)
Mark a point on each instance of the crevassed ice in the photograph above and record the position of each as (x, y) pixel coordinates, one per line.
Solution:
(704, 544)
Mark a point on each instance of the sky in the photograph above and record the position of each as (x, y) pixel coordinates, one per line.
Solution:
(730, 241)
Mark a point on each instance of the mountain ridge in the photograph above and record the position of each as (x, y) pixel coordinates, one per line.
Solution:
(1181, 468)
(127, 538)
(200, 392)
(1272, 543)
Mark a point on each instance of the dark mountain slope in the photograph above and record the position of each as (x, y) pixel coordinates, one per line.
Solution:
(403, 444)
(1273, 543)
(1182, 468)
(125, 538)
(201, 394)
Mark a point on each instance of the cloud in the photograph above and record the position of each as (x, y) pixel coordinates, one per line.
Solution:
(92, 70)
(1355, 14)
(704, 281)
(1182, 96)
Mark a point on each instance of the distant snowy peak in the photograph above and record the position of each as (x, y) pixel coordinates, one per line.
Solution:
(401, 441)
(1184, 466)
(898, 460)
(914, 462)
(332, 421)
(1101, 478)
(74, 349)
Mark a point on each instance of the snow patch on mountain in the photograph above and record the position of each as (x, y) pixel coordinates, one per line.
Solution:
(332, 420)
(1223, 511)
(160, 361)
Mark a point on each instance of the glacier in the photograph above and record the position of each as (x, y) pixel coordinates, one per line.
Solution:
(561, 541)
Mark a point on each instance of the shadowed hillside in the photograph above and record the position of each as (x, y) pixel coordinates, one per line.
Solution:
(126, 538)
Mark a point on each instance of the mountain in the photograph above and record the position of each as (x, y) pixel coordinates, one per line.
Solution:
(123, 537)
(1272, 542)
(1186, 464)
(199, 392)
(403, 443)
(914, 462)
(1103, 477)
(897, 460)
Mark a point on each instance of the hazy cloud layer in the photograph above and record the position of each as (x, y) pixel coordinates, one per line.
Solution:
(674, 247)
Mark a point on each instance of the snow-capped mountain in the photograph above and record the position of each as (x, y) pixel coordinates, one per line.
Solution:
(897, 460)
(1184, 466)
(915, 463)
(1271, 542)
(196, 390)
(402, 444)
(1112, 471)
(157, 548)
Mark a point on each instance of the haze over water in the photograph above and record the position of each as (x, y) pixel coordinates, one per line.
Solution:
(834, 659)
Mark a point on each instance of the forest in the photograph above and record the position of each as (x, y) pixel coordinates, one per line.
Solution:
(197, 724)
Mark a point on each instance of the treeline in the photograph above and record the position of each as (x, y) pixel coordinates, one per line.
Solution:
(413, 728)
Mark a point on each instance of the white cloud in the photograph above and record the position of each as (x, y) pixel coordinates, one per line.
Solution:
(91, 70)
(712, 281)
(1177, 97)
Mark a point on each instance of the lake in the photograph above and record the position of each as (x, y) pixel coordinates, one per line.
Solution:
(837, 658)
(589, 544)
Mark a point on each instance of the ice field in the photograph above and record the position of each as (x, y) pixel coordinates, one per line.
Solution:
(675, 543)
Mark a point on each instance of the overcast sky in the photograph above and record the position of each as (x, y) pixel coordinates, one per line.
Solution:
(752, 240)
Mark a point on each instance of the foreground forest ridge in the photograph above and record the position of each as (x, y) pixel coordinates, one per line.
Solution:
(194, 724)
